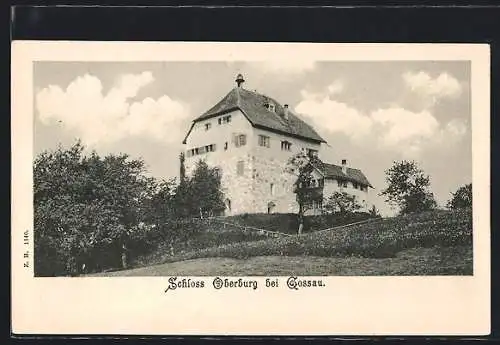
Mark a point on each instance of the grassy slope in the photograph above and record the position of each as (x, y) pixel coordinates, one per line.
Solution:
(438, 242)
(419, 261)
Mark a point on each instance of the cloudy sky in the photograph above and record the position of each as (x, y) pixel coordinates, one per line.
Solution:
(371, 113)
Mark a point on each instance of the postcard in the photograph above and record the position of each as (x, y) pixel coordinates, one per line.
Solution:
(208, 188)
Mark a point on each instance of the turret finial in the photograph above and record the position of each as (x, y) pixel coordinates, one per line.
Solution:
(239, 80)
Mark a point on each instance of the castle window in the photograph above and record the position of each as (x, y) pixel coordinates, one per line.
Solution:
(264, 141)
(240, 168)
(225, 146)
(273, 188)
(286, 145)
(240, 140)
(208, 126)
(224, 119)
(201, 150)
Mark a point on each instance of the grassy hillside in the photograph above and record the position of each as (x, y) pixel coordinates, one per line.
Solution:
(428, 239)
(455, 260)
(288, 222)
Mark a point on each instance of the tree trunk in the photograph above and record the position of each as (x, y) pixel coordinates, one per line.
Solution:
(124, 257)
(301, 217)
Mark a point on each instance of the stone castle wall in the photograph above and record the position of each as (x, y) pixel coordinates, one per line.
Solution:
(250, 192)
(264, 181)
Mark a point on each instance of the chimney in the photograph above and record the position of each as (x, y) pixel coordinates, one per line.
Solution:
(344, 166)
(285, 112)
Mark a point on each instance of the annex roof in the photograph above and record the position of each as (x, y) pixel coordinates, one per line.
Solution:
(333, 171)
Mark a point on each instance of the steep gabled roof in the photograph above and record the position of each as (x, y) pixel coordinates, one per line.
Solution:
(252, 106)
(333, 171)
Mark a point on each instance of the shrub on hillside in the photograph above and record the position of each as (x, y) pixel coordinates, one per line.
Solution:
(206, 236)
(380, 239)
(288, 222)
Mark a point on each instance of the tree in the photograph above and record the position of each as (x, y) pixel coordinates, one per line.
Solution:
(374, 212)
(182, 166)
(201, 193)
(408, 188)
(86, 208)
(342, 203)
(301, 166)
(160, 206)
(462, 198)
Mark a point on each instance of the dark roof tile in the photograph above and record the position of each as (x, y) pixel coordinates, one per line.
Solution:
(252, 105)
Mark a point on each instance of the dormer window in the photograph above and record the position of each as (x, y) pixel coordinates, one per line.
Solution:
(271, 107)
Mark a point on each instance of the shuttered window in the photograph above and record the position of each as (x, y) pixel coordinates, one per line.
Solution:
(240, 140)
(240, 168)
(264, 141)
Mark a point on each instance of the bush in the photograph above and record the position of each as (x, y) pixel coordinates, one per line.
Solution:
(288, 222)
(380, 239)
(188, 235)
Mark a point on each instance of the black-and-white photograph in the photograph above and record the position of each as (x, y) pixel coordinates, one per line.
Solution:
(252, 168)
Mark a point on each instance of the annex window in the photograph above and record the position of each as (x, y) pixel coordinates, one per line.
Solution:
(208, 126)
(355, 186)
(342, 183)
(240, 168)
(264, 141)
(311, 152)
(240, 140)
(210, 148)
(317, 204)
(286, 145)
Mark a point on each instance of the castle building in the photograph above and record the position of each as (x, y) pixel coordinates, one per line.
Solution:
(251, 137)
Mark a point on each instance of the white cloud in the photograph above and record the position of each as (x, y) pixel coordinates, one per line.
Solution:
(404, 130)
(391, 128)
(334, 116)
(456, 127)
(103, 118)
(443, 86)
(335, 87)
